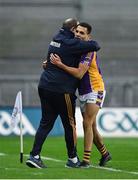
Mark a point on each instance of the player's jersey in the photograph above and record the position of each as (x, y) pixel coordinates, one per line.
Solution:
(92, 80)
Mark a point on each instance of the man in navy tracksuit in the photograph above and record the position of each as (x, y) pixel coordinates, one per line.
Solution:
(57, 92)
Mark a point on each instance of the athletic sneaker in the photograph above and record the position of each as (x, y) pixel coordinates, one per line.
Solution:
(84, 164)
(70, 164)
(105, 159)
(35, 163)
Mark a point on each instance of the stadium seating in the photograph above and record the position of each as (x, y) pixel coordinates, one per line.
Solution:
(26, 30)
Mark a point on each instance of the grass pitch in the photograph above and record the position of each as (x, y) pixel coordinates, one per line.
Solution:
(124, 164)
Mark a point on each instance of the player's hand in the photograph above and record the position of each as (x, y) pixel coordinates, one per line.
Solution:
(55, 59)
(44, 64)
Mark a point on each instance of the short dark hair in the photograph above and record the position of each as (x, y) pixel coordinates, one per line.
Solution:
(70, 23)
(86, 25)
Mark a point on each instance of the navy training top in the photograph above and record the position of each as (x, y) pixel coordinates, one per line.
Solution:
(70, 50)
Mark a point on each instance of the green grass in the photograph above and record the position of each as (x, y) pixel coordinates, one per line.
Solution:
(124, 164)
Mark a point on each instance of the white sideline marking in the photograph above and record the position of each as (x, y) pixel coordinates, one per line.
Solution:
(115, 170)
(97, 167)
(45, 158)
(52, 159)
(48, 158)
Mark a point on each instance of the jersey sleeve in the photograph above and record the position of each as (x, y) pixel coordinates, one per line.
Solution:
(87, 58)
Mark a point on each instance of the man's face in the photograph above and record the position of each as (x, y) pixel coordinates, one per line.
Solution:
(82, 33)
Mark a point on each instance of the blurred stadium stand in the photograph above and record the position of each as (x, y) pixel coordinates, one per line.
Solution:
(26, 28)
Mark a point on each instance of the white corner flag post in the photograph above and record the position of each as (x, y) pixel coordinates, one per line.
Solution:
(17, 116)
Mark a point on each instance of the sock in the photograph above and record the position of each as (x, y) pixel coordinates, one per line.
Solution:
(86, 156)
(36, 157)
(103, 150)
(74, 160)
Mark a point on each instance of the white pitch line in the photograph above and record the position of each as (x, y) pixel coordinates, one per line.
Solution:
(115, 170)
(48, 158)
(45, 158)
(97, 167)
(52, 159)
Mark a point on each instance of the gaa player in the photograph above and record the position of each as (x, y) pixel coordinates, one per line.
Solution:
(91, 96)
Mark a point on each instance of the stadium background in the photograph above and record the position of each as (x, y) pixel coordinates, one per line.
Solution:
(26, 28)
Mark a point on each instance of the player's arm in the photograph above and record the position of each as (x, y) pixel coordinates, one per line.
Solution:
(76, 72)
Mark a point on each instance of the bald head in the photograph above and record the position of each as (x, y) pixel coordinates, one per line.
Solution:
(70, 23)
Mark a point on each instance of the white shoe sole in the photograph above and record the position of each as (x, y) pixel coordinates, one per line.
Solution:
(32, 164)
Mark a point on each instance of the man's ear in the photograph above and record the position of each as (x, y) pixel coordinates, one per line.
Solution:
(73, 29)
(90, 36)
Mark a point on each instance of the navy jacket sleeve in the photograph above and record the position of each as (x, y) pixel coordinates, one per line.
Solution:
(78, 46)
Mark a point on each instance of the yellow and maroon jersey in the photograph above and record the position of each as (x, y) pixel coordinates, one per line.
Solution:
(92, 80)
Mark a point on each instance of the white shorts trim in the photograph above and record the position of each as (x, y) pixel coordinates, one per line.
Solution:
(95, 97)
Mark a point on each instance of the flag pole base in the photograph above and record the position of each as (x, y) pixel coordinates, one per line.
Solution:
(21, 157)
